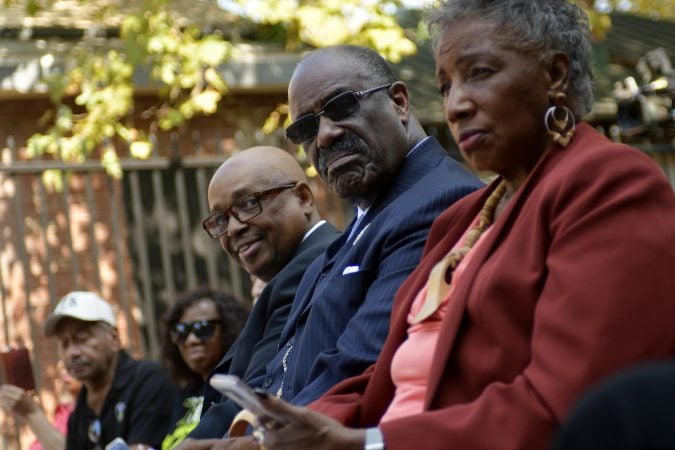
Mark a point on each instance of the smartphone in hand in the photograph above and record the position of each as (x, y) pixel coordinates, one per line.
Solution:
(242, 394)
(16, 368)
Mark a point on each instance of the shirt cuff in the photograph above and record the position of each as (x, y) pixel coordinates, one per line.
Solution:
(374, 439)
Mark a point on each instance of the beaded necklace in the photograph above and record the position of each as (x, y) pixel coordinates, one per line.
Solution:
(437, 285)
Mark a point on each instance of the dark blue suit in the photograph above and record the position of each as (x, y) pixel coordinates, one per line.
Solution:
(340, 316)
(257, 343)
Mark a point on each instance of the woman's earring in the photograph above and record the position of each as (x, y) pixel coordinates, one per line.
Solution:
(559, 121)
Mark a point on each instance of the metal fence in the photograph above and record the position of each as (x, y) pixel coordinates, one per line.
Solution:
(150, 219)
(136, 240)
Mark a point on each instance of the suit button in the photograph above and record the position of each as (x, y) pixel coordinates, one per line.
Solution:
(267, 383)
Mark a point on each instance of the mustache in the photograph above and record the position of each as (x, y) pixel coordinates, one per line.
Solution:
(77, 361)
(348, 143)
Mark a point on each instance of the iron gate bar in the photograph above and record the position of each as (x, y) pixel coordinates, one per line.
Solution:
(160, 207)
(92, 230)
(3, 297)
(65, 194)
(121, 273)
(183, 217)
(44, 231)
(200, 174)
(142, 252)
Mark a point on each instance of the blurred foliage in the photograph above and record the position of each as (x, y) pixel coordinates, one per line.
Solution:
(183, 61)
(369, 23)
(321, 23)
(599, 10)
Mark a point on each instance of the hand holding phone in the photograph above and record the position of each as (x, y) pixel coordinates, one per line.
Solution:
(16, 368)
(242, 394)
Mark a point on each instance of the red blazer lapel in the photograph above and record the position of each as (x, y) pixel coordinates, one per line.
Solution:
(460, 296)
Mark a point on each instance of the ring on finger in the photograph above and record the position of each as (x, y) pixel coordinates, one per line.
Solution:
(259, 436)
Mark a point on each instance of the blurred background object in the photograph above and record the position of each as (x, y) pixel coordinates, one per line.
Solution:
(16, 368)
(645, 107)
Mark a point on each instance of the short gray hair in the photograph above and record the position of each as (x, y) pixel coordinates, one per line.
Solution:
(534, 26)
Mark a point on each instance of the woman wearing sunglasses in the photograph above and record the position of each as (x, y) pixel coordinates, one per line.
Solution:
(197, 331)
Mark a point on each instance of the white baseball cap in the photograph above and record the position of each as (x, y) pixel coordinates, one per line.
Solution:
(80, 305)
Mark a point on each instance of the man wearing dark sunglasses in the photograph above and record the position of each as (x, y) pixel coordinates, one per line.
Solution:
(354, 120)
(263, 214)
(121, 397)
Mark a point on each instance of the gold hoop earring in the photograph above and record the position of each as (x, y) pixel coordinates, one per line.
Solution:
(559, 121)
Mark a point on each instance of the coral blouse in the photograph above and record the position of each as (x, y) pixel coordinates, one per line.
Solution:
(412, 362)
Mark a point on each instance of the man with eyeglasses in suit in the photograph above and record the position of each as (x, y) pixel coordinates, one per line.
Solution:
(264, 216)
(353, 118)
(120, 397)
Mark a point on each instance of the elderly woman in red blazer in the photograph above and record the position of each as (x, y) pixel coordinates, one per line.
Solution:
(558, 274)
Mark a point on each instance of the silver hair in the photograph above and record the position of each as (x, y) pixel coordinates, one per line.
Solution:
(539, 27)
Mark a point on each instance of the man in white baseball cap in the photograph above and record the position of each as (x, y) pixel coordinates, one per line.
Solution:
(80, 305)
(120, 397)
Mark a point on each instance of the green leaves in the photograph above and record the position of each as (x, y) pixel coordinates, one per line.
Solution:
(600, 22)
(320, 23)
(95, 108)
(101, 83)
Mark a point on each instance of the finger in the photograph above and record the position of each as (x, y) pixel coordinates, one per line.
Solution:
(284, 414)
(240, 443)
(259, 435)
(194, 444)
(7, 389)
(8, 399)
(281, 412)
(278, 405)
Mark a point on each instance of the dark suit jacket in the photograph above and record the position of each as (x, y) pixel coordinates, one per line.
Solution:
(574, 282)
(258, 341)
(340, 316)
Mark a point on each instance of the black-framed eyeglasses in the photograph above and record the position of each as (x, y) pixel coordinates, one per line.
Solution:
(243, 209)
(340, 107)
(202, 329)
(94, 433)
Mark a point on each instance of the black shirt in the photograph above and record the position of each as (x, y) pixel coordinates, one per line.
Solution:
(138, 408)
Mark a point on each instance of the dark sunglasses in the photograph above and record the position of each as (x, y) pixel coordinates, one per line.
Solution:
(202, 329)
(243, 209)
(340, 107)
